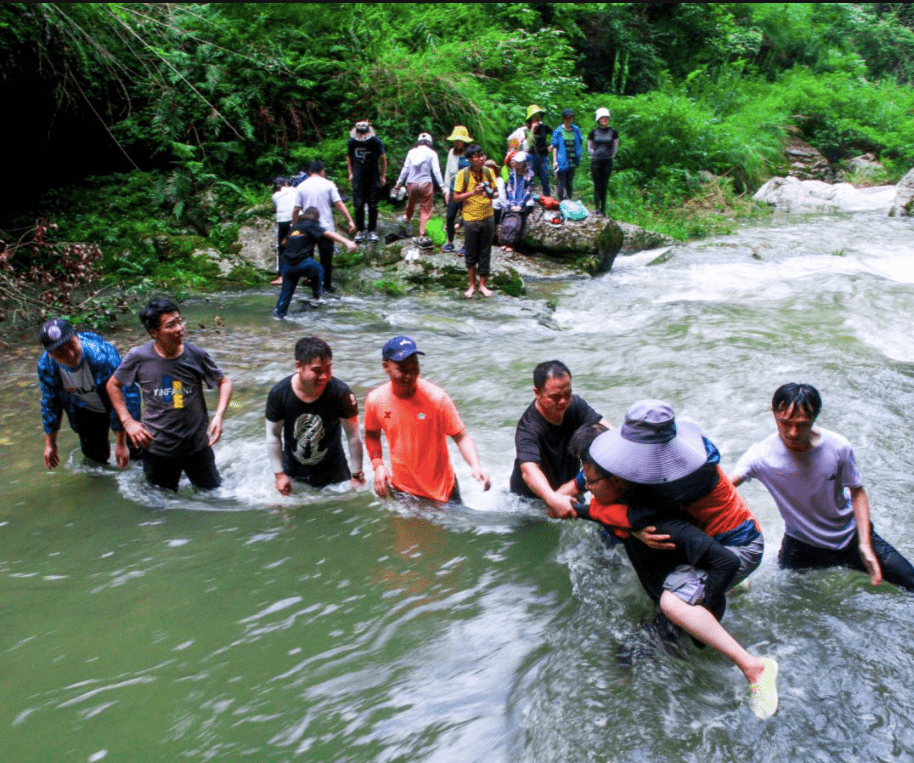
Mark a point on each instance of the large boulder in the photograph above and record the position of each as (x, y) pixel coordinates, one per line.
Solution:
(258, 243)
(792, 195)
(903, 205)
(599, 238)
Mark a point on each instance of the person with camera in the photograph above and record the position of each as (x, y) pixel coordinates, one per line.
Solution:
(475, 187)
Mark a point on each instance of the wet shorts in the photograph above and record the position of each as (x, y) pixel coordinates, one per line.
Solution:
(688, 583)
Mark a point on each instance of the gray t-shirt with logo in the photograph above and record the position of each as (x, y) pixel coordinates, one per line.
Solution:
(174, 408)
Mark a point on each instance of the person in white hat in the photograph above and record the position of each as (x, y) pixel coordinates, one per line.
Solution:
(602, 145)
(420, 168)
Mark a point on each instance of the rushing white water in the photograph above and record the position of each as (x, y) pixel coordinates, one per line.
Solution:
(332, 626)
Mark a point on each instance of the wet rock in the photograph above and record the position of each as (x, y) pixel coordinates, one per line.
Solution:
(596, 238)
(258, 239)
(808, 163)
(903, 204)
(792, 195)
(636, 239)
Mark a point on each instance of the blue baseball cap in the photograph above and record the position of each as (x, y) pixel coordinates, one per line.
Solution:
(400, 348)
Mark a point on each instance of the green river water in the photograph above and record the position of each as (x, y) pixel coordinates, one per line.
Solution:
(334, 626)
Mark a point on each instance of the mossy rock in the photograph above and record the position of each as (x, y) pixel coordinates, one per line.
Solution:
(247, 275)
(508, 282)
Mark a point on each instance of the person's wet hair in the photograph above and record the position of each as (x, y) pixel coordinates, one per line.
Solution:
(584, 435)
(154, 310)
(547, 370)
(471, 151)
(804, 396)
(315, 167)
(310, 347)
(311, 213)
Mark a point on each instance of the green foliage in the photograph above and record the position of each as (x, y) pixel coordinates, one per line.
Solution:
(842, 115)
(212, 100)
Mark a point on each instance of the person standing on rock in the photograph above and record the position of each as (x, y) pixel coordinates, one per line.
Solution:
(365, 152)
(475, 187)
(540, 145)
(456, 161)
(283, 205)
(602, 145)
(420, 168)
(317, 191)
(567, 141)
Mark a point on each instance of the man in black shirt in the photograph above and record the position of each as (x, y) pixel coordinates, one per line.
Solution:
(543, 463)
(364, 153)
(304, 417)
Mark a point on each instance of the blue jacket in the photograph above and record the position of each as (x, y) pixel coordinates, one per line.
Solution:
(103, 359)
(558, 142)
(519, 190)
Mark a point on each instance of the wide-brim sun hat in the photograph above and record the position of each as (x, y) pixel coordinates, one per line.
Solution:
(651, 447)
(532, 111)
(603, 112)
(362, 131)
(460, 133)
(519, 156)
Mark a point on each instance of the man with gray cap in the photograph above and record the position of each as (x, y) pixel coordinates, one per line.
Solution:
(417, 417)
(72, 374)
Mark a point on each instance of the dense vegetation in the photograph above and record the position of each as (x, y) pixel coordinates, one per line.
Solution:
(148, 125)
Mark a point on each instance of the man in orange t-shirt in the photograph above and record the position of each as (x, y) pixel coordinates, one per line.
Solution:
(417, 417)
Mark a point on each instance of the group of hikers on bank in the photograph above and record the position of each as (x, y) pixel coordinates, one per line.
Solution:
(656, 485)
(488, 195)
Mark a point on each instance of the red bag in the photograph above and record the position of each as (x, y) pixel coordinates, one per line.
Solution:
(549, 203)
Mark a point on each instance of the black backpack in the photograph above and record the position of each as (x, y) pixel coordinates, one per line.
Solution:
(512, 229)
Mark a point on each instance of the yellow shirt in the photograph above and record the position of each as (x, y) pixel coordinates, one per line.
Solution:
(477, 206)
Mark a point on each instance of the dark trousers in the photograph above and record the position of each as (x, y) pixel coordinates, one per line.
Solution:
(92, 428)
(291, 274)
(796, 555)
(565, 181)
(282, 230)
(453, 207)
(365, 191)
(200, 468)
(540, 167)
(325, 249)
(600, 171)
(478, 236)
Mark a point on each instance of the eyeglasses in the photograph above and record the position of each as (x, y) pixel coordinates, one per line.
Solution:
(591, 483)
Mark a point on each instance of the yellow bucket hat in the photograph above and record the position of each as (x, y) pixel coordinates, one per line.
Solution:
(460, 133)
(533, 110)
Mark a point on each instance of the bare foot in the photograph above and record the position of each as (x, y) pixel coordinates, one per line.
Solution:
(468, 294)
(276, 281)
(484, 291)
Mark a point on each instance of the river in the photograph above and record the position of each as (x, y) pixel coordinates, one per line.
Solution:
(334, 626)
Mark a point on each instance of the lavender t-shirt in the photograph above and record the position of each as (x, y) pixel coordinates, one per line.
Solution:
(174, 408)
(810, 489)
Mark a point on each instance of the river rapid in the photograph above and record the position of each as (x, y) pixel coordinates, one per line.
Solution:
(334, 626)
